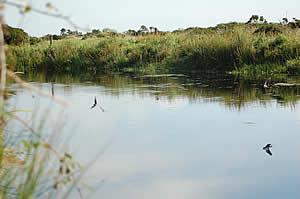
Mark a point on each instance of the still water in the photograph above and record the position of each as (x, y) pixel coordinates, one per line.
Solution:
(175, 137)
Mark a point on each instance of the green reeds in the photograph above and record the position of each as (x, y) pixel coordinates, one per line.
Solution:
(216, 51)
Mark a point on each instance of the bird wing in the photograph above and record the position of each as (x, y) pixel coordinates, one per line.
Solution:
(93, 106)
(267, 146)
(95, 103)
(268, 151)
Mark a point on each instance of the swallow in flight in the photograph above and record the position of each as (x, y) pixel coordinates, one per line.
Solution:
(95, 104)
(267, 149)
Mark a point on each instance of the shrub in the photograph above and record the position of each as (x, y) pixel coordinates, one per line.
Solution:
(57, 37)
(293, 66)
(268, 29)
(14, 36)
(34, 40)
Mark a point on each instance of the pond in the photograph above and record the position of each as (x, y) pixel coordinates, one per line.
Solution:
(196, 136)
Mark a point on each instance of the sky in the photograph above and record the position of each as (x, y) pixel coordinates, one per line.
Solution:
(166, 15)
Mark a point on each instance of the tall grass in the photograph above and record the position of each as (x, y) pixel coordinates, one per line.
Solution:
(32, 166)
(219, 51)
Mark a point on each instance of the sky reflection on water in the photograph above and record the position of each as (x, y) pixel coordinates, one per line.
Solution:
(169, 142)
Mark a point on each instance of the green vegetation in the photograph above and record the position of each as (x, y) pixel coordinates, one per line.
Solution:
(30, 165)
(293, 66)
(256, 47)
(14, 36)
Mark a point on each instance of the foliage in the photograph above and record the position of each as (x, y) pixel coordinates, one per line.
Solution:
(257, 19)
(268, 29)
(34, 40)
(225, 47)
(294, 24)
(143, 29)
(62, 31)
(30, 167)
(14, 36)
(293, 66)
(260, 69)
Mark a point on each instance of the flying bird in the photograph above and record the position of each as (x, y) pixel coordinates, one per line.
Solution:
(267, 149)
(95, 104)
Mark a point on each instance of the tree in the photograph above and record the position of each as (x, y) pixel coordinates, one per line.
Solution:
(285, 21)
(295, 23)
(294, 19)
(62, 31)
(69, 32)
(96, 31)
(262, 20)
(253, 19)
(151, 29)
(155, 30)
(143, 29)
(131, 32)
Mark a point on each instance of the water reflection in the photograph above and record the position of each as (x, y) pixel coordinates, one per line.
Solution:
(180, 137)
(231, 91)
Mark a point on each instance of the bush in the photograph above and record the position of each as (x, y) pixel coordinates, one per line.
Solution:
(34, 40)
(57, 37)
(293, 66)
(14, 36)
(268, 29)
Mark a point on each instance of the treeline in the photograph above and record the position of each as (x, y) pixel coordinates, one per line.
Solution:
(17, 36)
(256, 19)
(97, 33)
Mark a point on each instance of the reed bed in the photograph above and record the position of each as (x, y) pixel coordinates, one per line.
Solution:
(238, 49)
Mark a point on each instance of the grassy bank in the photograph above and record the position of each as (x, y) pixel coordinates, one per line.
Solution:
(241, 48)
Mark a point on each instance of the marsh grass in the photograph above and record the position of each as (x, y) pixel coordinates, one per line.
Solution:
(214, 51)
(32, 166)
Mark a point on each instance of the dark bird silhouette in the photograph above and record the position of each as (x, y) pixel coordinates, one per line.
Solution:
(95, 104)
(267, 149)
